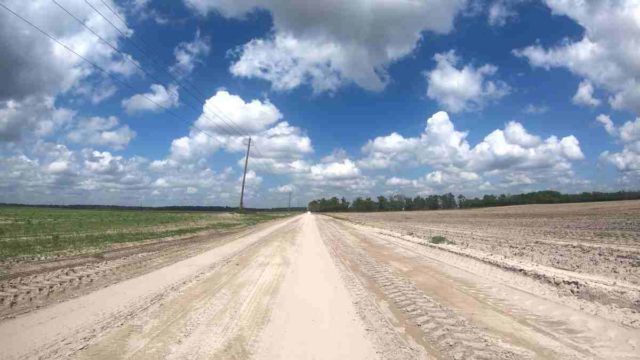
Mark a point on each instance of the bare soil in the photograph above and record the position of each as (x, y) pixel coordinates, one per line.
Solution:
(26, 285)
(599, 242)
(316, 287)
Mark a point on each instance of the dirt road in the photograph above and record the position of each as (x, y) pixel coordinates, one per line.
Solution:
(312, 287)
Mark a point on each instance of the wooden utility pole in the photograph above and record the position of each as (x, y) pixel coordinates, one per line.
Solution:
(244, 176)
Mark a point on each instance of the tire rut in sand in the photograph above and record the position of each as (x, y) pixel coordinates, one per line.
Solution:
(22, 293)
(449, 334)
(218, 316)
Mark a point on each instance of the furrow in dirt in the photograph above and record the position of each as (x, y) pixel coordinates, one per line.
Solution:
(42, 283)
(60, 330)
(219, 316)
(599, 239)
(511, 307)
(615, 300)
(450, 335)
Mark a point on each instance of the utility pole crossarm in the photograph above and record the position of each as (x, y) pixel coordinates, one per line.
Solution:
(244, 176)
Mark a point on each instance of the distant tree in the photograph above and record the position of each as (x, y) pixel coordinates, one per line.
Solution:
(344, 204)
(383, 204)
(370, 205)
(461, 201)
(419, 203)
(409, 204)
(396, 203)
(448, 201)
(433, 202)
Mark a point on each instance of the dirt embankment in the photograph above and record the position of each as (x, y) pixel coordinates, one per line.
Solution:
(599, 239)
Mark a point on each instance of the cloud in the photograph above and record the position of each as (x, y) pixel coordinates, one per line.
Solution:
(500, 12)
(438, 181)
(439, 144)
(188, 54)
(284, 189)
(536, 109)
(606, 55)
(509, 150)
(227, 120)
(500, 150)
(34, 66)
(158, 99)
(400, 182)
(196, 146)
(627, 160)
(339, 178)
(584, 95)
(99, 131)
(224, 113)
(53, 173)
(463, 89)
(34, 117)
(606, 122)
(345, 169)
(280, 149)
(329, 46)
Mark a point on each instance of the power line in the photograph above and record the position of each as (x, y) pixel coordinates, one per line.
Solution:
(114, 13)
(228, 122)
(125, 56)
(101, 69)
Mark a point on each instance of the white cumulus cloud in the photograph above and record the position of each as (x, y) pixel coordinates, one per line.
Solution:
(158, 99)
(189, 54)
(463, 89)
(606, 55)
(328, 45)
(584, 95)
(99, 131)
(511, 150)
(628, 159)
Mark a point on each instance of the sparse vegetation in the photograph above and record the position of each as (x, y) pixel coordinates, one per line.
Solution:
(438, 240)
(33, 231)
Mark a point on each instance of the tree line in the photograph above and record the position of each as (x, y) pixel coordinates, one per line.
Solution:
(450, 201)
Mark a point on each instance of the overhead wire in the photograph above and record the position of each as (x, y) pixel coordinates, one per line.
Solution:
(127, 57)
(200, 98)
(104, 71)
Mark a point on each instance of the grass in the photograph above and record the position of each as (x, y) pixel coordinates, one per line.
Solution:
(32, 231)
(438, 240)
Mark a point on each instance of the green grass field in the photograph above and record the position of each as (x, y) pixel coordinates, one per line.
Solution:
(33, 231)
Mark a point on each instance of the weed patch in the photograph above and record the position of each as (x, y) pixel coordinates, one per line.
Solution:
(439, 240)
(48, 231)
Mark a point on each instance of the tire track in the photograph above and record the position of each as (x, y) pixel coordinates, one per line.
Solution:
(61, 330)
(216, 317)
(22, 293)
(452, 335)
(391, 344)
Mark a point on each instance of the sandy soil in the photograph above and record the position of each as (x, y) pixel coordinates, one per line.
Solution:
(314, 318)
(28, 285)
(465, 308)
(594, 238)
(590, 251)
(313, 287)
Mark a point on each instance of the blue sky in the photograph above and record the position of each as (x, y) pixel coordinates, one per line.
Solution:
(341, 98)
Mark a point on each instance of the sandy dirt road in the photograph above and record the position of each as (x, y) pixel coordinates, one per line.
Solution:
(312, 287)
